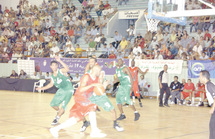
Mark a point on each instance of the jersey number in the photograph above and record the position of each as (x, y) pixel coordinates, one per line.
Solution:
(118, 74)
(107, 104)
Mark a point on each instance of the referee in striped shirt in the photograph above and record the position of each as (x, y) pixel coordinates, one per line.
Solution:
(204, 78)
(163, 83)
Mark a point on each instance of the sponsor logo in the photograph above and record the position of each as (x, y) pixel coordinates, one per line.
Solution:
(197, 68)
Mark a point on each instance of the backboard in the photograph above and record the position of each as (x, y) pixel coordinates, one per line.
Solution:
(157, 9)
(176, 11)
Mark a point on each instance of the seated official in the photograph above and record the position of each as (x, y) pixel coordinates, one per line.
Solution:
(22, 75)
(47, 76)
(175, 90)
(14, 74)
(188, 91)
(35, 76)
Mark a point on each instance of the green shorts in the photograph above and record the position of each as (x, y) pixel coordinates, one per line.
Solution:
(123, 95)
(62, 97)
(102, 101)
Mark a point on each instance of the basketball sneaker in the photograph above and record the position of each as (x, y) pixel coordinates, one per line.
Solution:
(54, 132)
(189, 102)
(192, 104)
(97, 130)
(137, 116)
(166, 105)
(55, 121)
(181, 102)
(126, 105)
(97, 135)
(161, 105)
(201, 104)
(117, 127)
(122, 116)
(84, 126)
(172, 103)
(141, 105)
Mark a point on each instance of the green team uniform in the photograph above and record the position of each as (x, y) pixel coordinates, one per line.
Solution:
(65, 91)
(123, 92)
(101, 101)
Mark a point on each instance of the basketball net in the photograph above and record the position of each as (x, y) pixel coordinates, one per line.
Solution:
(152, 24)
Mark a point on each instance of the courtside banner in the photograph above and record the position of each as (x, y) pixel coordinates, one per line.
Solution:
(156, 66)
(195, 66)
(77, 65)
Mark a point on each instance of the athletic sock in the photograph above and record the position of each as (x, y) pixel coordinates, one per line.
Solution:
(136, 112)
(122, 114)
(139, 100)
(193, 100)
(57, 117)
(93, 122)
(133, 98)
(67, 123)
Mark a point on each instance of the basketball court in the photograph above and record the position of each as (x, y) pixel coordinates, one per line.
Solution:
(27, 115)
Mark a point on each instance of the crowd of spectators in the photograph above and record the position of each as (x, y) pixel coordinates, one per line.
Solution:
(51, 29)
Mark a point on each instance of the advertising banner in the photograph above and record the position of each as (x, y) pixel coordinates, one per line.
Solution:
(195, 66)
(77, 65)
(174, 66)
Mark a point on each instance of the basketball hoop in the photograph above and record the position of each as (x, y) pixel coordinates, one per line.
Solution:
(152, 23)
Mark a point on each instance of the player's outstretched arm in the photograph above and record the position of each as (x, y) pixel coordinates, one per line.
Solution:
(46, 87)
(141, 72)
(83, 84)
(65, 68)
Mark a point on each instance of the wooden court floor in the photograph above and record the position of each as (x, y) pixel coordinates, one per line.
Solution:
(27, 115)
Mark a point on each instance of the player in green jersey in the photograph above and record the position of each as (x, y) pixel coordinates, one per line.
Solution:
(126, 86)
(65, 88)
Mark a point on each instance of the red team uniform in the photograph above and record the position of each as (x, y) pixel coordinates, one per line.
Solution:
(134, 73)
(201, 87)
(188, 87)
(83, 105)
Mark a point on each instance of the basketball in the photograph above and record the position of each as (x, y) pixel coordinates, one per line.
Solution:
(99, 90)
